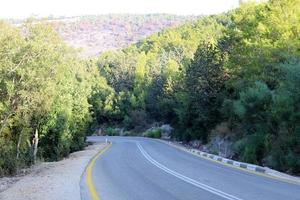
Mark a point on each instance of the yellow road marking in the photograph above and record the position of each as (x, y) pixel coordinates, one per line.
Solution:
(89, 179)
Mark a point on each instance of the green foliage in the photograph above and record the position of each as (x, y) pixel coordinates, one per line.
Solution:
(253, 103)
(205, 82)
(268, 120)
(240, 68)
(153, 134)
(251, 148)
(110, 131)
(149, 75)
(44, 93)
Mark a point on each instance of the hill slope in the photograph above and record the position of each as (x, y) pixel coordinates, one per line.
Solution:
(96, 34)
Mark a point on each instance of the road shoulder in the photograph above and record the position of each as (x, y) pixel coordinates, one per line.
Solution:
(53, 180)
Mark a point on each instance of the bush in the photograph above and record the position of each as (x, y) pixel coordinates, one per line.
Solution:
(129, 133)
(8, 163)
(284, 155)
(153, 134)
(251, 148)
(139, 120)
(128, 123)
(110, 131)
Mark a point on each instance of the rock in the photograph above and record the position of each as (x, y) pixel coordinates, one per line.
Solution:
(152, 129)
(195, 144)
(221, 146)
(119, 131)
(166, 131)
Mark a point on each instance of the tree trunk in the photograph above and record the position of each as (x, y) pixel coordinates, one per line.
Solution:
(5, 120)
(18, 146)
(35, 142)
(4, 123)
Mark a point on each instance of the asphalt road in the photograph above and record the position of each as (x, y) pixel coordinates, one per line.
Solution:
(145, 169)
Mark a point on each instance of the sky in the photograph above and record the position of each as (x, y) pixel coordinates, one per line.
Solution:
(43, 8)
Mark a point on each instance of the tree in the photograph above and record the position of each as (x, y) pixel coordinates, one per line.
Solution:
(205, 82)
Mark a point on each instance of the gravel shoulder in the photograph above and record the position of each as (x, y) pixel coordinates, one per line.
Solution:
(50, 180)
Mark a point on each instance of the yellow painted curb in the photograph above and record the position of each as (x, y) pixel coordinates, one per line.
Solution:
(89, 179)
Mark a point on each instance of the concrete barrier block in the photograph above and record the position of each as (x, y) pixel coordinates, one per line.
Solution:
(216, 157)
(224, 160)
(251, 167)
(260, 169)
(237, 164)
(230, 162)
(243, 165)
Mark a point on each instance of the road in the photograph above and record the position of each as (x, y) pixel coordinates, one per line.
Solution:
(145, 169)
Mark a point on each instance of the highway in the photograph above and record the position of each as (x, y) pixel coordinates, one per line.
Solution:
(145, 169)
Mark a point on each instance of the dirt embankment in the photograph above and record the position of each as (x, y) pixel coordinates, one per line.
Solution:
(50, 180)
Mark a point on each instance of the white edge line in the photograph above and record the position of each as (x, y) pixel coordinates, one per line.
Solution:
(184, 178)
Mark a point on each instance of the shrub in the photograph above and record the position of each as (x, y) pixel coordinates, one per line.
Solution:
(8, 163)
(110, 131)
(251, 148)
(129, 133)
(128, 123)
(153, 134)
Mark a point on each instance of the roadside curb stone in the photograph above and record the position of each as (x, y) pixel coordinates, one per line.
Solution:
(242, 165)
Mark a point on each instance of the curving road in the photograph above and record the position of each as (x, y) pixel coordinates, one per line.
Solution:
(145, 169)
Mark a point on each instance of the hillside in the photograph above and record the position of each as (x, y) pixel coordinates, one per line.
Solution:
(228, 84)
(96, 34)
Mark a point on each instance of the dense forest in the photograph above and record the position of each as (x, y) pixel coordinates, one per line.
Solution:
(235, 75)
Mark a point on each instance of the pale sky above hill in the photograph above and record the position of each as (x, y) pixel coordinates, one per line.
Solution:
(44, 8)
